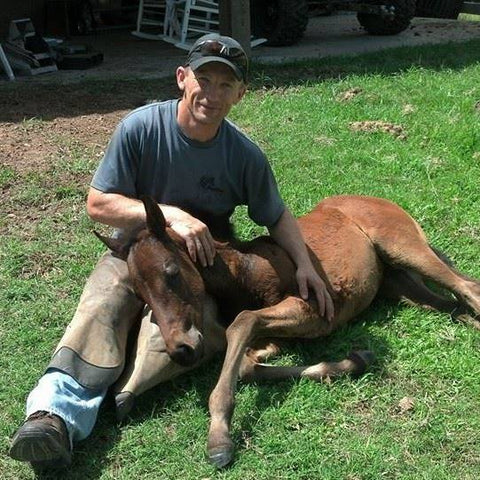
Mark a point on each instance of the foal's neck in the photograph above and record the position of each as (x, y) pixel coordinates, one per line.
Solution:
(249, 275)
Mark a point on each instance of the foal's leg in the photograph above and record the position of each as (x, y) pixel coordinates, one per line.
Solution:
(292, 317)
(407, 248)
(409, 287)
(355, 364)
(262, 349)
(403, 285)
(150, 364)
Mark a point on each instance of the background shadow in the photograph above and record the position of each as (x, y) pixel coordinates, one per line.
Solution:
(25, 100)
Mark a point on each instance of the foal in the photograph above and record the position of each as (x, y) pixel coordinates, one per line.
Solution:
(361, 246)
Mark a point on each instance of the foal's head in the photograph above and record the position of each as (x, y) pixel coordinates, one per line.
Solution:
(165, 278)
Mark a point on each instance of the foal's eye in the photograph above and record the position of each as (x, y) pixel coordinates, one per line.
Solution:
(172, 270)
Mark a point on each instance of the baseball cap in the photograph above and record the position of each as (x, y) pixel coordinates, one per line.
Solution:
(217, 48)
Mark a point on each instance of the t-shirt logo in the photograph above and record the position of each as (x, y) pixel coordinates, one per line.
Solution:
(208, 183)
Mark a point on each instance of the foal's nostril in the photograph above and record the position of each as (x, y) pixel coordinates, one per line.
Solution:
(184, 355)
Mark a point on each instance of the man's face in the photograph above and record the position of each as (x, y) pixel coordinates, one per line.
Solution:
(210, 92)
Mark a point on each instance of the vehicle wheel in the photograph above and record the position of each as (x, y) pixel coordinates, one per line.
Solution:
(281, 22)
(378, 25)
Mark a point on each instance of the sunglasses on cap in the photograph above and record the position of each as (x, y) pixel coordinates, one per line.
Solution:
(232, 55)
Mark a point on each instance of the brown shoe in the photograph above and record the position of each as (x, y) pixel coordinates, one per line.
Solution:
(42, 440)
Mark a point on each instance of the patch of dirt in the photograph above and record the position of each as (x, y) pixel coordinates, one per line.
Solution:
(42, 122)
(370, 126)
(349, 94)
(405, 405)
(51, 139)
(32, 145)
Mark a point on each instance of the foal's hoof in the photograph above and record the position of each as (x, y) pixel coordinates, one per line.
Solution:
(362, 359)
(220, 457)
(124, 402)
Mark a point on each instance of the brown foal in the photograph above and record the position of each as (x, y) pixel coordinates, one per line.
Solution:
(361, 246)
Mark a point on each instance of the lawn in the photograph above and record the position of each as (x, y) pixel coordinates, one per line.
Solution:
(404, 125)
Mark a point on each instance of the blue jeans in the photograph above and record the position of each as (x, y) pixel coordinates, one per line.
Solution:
(59, 393)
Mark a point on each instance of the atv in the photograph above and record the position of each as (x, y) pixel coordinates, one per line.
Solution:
(283, 22)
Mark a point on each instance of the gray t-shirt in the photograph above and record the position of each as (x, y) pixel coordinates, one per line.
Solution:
(149, 155)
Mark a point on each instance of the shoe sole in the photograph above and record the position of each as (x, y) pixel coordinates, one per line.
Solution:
(39, 446)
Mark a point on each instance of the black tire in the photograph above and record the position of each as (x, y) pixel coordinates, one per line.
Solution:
(378, 25)
(281, 22)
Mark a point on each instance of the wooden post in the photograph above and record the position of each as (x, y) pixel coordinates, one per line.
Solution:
(235, 21)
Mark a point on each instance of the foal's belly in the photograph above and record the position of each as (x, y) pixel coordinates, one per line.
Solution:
(348, 258)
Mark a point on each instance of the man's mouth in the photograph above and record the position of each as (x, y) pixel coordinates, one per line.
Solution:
(210, 108)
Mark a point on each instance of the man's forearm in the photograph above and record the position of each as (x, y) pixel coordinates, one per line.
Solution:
(127, 213)
(120, 211)
(115, 209)
(287, 234)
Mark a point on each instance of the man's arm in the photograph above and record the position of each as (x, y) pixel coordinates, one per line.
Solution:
(120, 211)
(288, 235)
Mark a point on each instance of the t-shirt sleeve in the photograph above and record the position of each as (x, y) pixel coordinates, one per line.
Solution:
(118, 169)
(265, 206)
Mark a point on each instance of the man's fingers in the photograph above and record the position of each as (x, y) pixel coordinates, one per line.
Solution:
(201, 252)
(325, 303)
(205, 250)
(329, 308)
(321, 303)
(198, 239)
(209, 248)
(200, 243)
(324, 300)
(192, 249)
(303, 287)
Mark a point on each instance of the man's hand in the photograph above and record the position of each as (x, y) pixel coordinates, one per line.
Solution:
(288, 235)
(309, 278)
(197, 236)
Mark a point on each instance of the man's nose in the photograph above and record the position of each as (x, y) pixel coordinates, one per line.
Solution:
(213, 92)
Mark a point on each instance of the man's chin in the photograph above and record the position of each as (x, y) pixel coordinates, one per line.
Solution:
(208, 119)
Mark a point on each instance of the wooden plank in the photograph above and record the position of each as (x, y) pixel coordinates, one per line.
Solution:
(235, 21)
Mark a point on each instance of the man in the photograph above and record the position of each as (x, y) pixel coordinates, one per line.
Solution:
(196, 164)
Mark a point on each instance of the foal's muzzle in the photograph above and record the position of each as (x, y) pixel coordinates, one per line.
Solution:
(186, 356)
(187, 350)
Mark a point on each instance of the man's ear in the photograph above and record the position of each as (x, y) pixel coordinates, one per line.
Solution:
(181, 75)
(241, 92)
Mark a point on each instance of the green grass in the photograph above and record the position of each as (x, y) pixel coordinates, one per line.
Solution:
(348, 429)
(469, 17)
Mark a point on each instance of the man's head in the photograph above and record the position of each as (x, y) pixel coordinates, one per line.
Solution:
(212, 81)
(217, 48)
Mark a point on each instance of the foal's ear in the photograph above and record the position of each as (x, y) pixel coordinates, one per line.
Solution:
(156, 222)
(116, 246)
